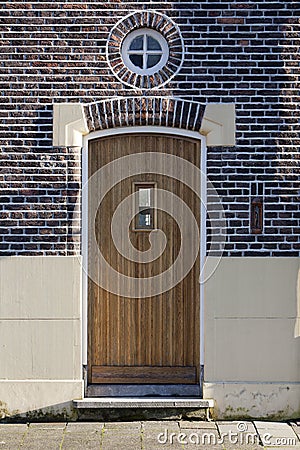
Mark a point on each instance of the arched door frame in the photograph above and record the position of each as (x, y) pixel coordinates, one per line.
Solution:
(138, 130)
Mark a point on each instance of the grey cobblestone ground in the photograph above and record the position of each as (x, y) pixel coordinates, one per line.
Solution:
(150, 435)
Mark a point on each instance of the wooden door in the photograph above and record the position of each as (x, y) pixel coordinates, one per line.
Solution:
(152, 340)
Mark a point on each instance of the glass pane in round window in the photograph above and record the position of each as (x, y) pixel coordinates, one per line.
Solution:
(153, 44)
(137, 60)
(153, 60)
(137, 43)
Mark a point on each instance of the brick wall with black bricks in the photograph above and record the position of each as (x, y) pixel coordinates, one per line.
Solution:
(245, 53)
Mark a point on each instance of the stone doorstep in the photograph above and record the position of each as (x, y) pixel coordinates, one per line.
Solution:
(112, 402)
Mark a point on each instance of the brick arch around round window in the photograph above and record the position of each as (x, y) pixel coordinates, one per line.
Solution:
(152, 20)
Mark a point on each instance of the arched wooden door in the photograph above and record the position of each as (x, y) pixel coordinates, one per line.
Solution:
(143, 340)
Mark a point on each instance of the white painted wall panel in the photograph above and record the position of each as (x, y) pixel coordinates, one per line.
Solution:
(251, 309)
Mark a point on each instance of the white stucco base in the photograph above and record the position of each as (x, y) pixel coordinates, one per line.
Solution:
(38, 399)
(275, 401)
(251, 337)
(40, 336)
(252, 343)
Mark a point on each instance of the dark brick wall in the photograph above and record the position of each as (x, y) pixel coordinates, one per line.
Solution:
(241, 52)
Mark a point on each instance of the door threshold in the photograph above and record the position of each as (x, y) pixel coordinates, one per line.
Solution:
(143, 390)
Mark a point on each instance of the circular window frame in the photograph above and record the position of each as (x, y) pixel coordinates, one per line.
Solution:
(125, 49)
(135, 21)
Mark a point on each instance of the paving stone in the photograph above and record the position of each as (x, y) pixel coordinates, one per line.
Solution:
(83, 436)
(259, 424)
(278, 442)
(238, 431)
(43, 438)
(197, 424)
(47, 425)
(157, 435)
(123, 425)
(243, 446)
(78, 441)
(277, 434)
(12, 435)
(124, 439)
(200, 438)
(151, 443)
(238, 434)
(84, 426)
(236, 426)
(160, 425)
(296, 428)
(281, 447)
(191, 446)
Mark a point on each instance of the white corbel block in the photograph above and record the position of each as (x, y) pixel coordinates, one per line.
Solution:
(218, 124)
(69, 124)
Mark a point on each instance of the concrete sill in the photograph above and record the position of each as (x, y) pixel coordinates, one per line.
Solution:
(107, 402)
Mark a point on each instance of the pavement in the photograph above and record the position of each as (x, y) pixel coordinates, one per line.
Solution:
(151, 435)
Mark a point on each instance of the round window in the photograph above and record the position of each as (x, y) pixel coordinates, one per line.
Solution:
(145, 51)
